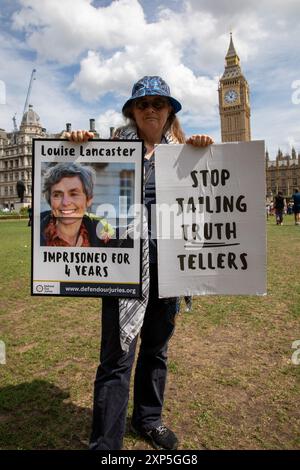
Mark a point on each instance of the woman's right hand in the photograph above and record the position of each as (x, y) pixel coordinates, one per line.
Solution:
(78, 136)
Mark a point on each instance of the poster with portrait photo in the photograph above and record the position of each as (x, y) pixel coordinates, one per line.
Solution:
(87, 201)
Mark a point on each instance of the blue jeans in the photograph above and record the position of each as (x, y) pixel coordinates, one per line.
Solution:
(111, 390)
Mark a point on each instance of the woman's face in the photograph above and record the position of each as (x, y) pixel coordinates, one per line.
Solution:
(151, 113)
(68, 200)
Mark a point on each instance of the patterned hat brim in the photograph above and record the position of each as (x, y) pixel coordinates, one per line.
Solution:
(174, 103)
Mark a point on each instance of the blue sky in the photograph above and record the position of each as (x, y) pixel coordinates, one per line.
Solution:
(89, 53)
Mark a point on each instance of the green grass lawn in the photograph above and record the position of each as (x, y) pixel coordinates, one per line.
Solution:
(231, 383)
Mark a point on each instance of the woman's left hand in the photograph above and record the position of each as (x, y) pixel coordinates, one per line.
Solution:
(199, 140)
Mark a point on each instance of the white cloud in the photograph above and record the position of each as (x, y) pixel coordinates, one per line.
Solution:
(123, 46)
(116, 44)
(161, 51)
(98, 76)
(49, 98)
(233, 8)
(69, 28)
(278, 129)
(62, 30)
(108, 119)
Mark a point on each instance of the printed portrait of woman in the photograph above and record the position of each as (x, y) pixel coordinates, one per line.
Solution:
(68, 189)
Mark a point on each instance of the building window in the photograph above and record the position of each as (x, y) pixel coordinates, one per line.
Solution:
(126, 191)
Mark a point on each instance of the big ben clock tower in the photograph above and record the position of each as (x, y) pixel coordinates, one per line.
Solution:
(234, 102)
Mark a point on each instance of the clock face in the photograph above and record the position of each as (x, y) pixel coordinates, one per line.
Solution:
(230, 96)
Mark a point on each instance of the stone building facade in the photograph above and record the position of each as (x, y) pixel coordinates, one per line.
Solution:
(283, 174)
(16, 159)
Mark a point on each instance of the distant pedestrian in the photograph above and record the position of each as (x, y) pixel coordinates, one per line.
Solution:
(296, 199)
(290, 208)
(268, 210)
(279, 205)
(29, 216)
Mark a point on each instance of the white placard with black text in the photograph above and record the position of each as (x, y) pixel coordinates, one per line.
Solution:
(211, 219)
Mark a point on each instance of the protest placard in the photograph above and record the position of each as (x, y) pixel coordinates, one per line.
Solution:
(86, 199)
(211, 219)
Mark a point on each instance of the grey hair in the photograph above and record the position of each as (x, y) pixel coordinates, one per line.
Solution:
(54, 174)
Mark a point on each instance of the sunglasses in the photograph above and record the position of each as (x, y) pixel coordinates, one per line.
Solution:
(157, 104)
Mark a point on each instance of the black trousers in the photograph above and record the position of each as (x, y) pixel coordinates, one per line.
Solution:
(111, 389)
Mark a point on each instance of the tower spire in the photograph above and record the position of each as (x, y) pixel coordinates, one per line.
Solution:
(232, 59)
(231, 49)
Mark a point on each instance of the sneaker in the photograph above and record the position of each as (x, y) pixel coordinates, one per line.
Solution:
(161, 437)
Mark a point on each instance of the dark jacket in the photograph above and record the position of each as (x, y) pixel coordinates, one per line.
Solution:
(279, 203)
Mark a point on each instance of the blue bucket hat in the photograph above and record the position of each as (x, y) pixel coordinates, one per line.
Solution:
(152, 86)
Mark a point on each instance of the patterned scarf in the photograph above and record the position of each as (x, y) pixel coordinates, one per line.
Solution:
(132, 311)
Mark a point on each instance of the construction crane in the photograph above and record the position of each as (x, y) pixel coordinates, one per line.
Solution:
(29, 90)
(27, 99)
(15, 123)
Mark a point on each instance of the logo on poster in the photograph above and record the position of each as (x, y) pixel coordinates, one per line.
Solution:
(46, 288)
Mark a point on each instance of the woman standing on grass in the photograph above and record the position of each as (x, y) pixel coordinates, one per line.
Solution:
(151, 111)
